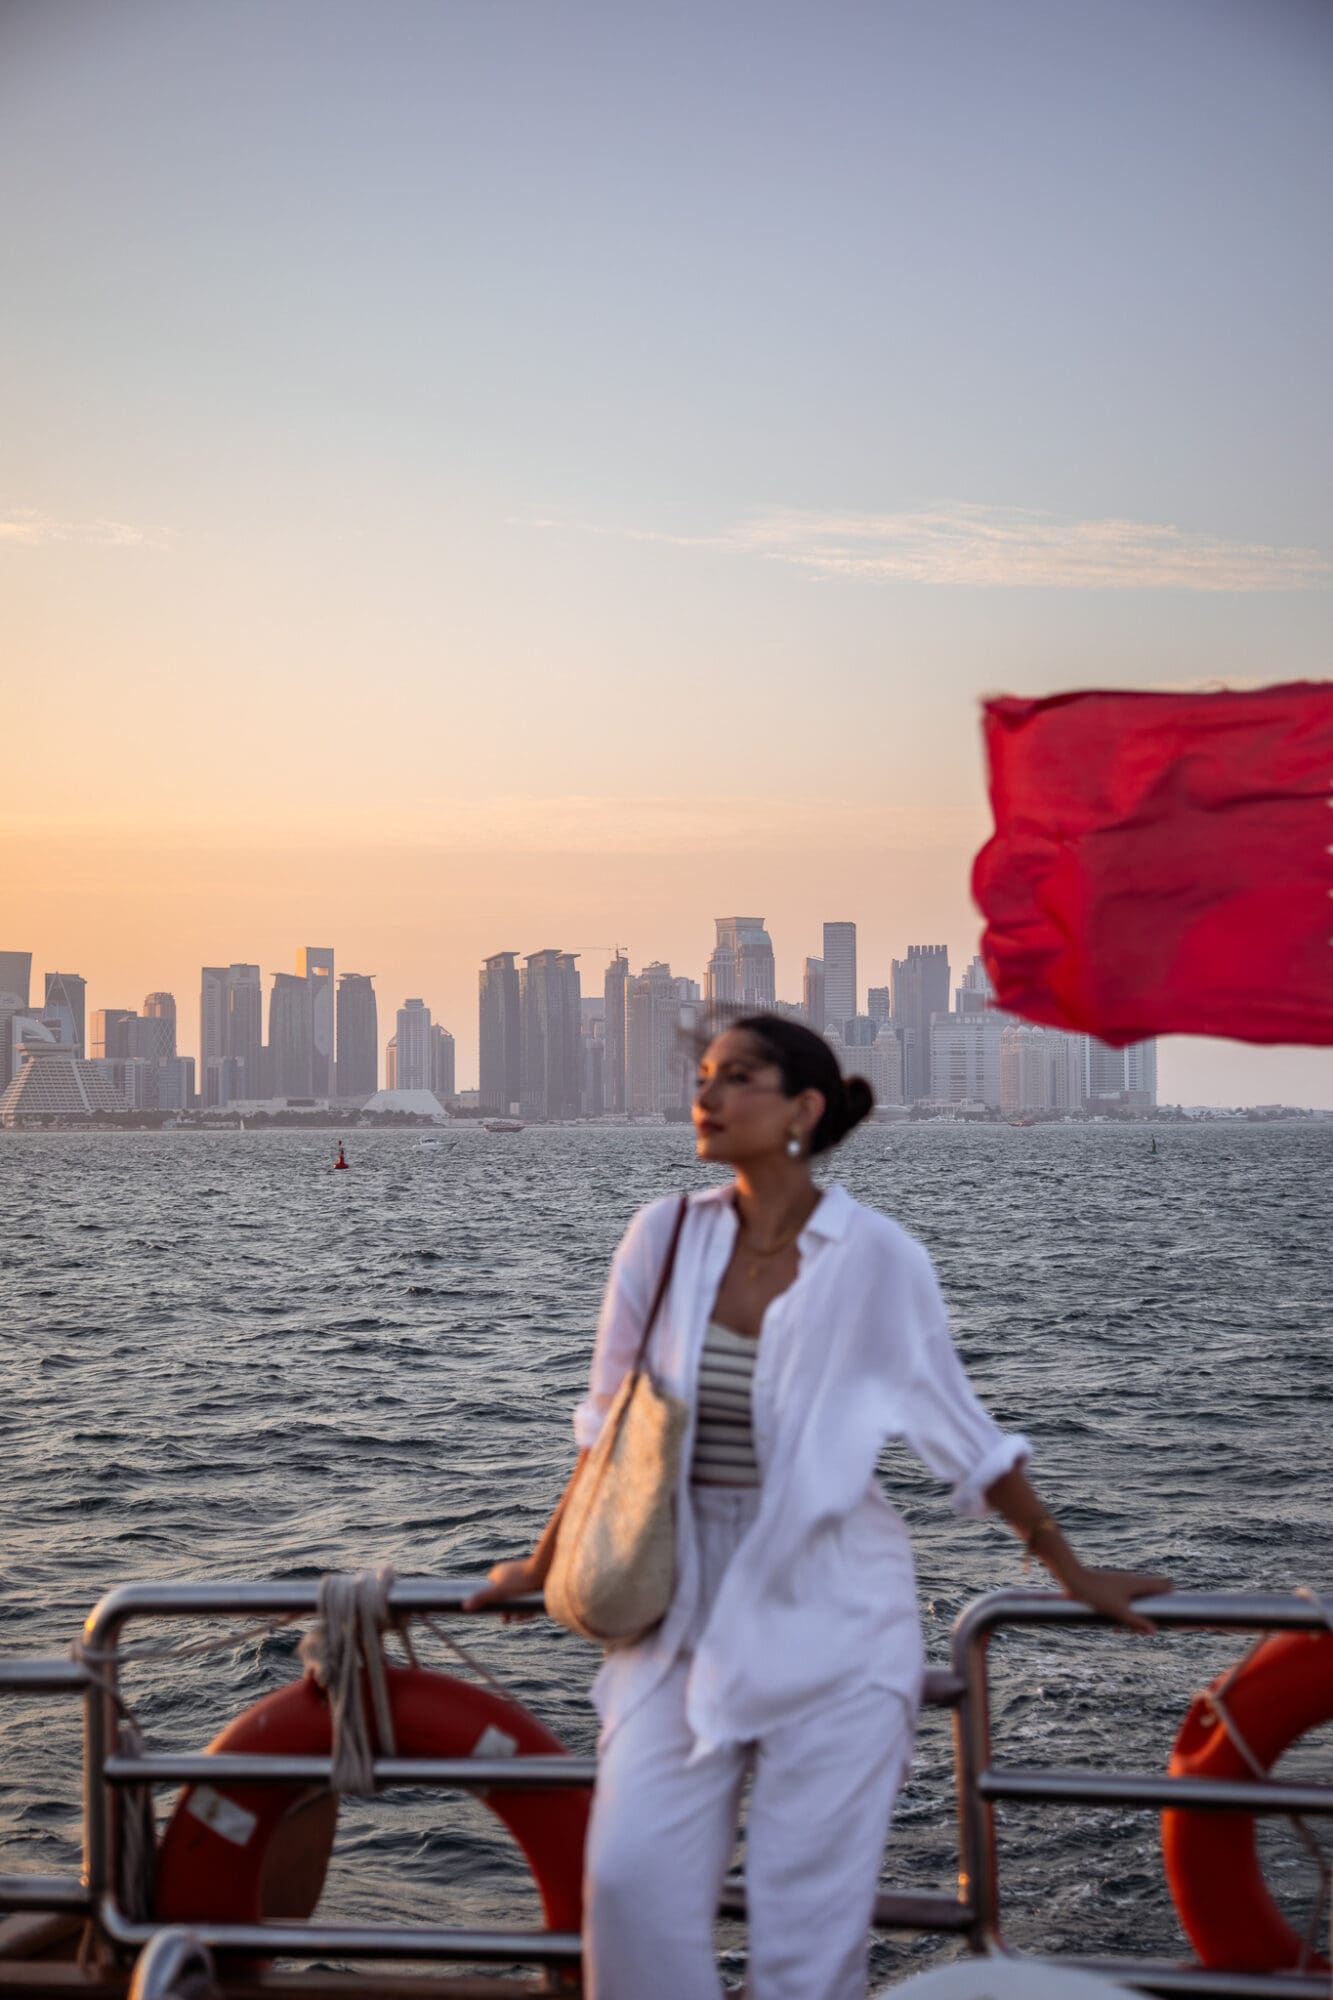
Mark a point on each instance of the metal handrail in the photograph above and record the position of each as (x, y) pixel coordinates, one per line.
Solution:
(974, 1912)
(981, 1782)
(107, 1770)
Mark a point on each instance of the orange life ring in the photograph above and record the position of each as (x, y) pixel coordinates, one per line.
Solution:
(1212, 1866)
(243, 1853)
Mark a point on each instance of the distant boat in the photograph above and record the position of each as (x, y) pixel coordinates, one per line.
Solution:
(502, 1124)
(427, 1139)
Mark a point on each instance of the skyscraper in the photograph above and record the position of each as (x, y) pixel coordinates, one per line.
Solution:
(501, 1044)
(878, 1004)
(413, 1039)
(162, 1007)
(66, 994)
(549, 1001)
(920, 990)
(110, 1033)
(613, 1062)
(442, 1074)
(659, 1060)
(291, 1037)
(15, 985)
(358, 1065)
(813, 994)
(839, 972)
(740, 968)
(315, 963)
(974, 995)
(231, 1031)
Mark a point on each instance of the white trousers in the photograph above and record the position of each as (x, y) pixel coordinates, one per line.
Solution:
(663, 1830)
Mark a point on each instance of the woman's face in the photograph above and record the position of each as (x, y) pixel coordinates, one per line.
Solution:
(741, 1109)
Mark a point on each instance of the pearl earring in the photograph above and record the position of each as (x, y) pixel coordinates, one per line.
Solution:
(793, 1148)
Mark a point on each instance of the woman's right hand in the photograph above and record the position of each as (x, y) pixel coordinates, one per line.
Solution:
(506, 1580)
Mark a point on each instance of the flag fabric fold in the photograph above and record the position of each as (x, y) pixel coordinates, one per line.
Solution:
(1161, 863)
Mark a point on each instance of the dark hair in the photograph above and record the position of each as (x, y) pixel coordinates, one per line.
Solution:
(808, 1063)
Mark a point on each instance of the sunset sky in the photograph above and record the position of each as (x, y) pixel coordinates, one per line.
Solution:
(494, 476)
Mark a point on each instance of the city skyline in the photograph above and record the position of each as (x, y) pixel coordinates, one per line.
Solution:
(925, 984)
(582, 476)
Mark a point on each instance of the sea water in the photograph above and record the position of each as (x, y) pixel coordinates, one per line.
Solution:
(221, 1359)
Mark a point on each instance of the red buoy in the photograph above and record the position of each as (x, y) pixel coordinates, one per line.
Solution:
(341, 1160)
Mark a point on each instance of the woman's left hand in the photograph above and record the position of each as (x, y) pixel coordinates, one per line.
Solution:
(1112, 1592)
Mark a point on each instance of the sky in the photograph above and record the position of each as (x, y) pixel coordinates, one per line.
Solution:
(483, 478)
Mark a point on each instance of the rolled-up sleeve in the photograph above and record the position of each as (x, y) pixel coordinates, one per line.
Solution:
(948, 1428)
(620, 1323)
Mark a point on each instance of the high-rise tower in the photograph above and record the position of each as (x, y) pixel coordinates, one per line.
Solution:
(66, 998)
(291, 1036)
(740, 969)
(501, 1046)
(358, 1065)
(920, 990)
(315, 963)
(613, 1061)
(839, 973)
(552, 1035)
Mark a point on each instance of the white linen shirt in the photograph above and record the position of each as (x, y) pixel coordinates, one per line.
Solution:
(820, 1598)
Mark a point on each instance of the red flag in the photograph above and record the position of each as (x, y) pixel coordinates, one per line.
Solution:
(1160, 863)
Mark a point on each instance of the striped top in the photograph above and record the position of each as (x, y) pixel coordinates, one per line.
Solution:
(724, 1433)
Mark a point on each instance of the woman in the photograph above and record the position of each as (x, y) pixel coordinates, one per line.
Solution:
(805, 1330)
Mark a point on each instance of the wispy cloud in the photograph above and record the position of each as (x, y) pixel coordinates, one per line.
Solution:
(957, 542)
(26, 528)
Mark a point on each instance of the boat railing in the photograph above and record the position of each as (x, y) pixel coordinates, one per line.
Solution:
(971, 1912)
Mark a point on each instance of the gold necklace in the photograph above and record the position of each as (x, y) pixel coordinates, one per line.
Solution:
(774, 1250)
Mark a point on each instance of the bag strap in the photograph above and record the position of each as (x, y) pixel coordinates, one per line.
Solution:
(663, 1281)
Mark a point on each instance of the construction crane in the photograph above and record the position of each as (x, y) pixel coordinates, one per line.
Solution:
(620, 950)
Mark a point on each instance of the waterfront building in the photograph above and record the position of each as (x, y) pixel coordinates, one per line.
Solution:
(390, 1065)
(175, 1083)
(162, 1007)
(150, 1037)
(358, 1038)
(110, 1033)
(661, 1010)
(315, 963)
(593, 1052)
(975, 994)
(501, 1037)
(813, 994)
(1041, 1069)
(965, 1058)
(550, 1014)
(221, 1082)
(839, 972)
(613, 1062)
(291, 1039)
(920, 987)
(53, 1082)
(413, 1045)
(1141, 1074)
(879, 1060)
(66, 999)
(231, 1028)
(1122, 1076)
(15, 988)
(442, 1072)
(740, 969)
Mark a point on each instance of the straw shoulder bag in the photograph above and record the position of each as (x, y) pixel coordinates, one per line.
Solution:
(614, 1566)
